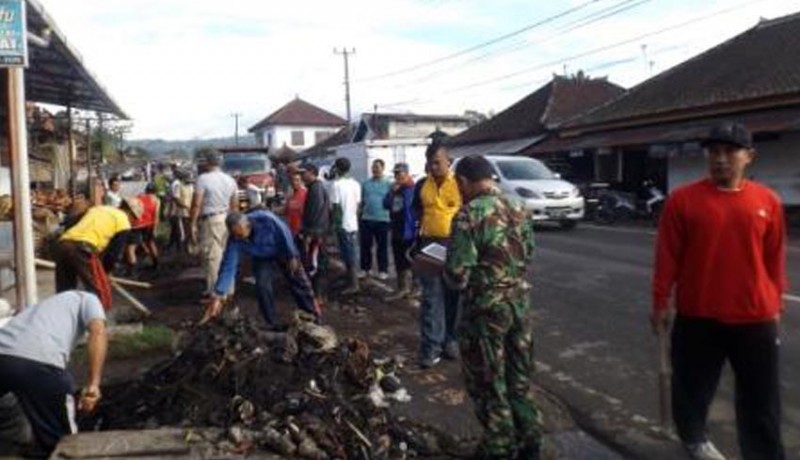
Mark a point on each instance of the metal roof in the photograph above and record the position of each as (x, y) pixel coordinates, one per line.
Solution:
(57, 75)
(510, 147)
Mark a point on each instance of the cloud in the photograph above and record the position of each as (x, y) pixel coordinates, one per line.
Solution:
(181, 67)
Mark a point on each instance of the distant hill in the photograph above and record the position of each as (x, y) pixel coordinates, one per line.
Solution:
(159, 148)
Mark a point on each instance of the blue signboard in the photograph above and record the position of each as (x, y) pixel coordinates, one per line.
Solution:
(13, 36)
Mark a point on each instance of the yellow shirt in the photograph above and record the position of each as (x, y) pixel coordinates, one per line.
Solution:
(98, 226)
(439, 205)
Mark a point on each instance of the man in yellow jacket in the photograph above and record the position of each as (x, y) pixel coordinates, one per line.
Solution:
(99, 236)
(437, 202)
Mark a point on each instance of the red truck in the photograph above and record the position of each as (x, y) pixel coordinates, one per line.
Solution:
(249, 163)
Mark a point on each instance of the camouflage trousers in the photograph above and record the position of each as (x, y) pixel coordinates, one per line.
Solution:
(497, 360)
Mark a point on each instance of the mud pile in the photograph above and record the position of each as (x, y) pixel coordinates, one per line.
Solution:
(299, 394)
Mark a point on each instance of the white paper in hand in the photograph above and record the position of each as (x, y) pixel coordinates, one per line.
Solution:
(436, 251)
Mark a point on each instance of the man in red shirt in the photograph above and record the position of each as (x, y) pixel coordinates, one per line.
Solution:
(721, 245)
(295, 204)
(144, 229)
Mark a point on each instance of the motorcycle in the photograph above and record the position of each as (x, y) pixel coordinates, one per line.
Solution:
(614, 206)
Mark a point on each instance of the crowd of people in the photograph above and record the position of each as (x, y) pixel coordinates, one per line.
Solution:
(721, 250)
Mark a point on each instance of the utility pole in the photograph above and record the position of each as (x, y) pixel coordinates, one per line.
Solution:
(236, 116)
(346, 53)
(89, 159)
(101, 130)
(647, 67)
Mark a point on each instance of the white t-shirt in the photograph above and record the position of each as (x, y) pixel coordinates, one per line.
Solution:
(175, 188)
(47, 332)
(254, 195)
(346, 192)
(112, 199)
(218, 191)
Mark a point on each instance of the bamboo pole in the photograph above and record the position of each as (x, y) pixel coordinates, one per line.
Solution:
(130, 298)
(121, 281)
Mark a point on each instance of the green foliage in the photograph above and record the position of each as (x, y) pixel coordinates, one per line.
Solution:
(152, 340)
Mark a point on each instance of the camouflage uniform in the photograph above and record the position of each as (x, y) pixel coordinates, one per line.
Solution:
(491, 246)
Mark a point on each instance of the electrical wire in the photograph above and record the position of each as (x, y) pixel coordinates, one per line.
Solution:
(614, 10)
(608, 47)
(598, 49)
(480, 45)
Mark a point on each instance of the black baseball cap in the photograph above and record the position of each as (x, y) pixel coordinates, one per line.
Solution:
(728, 132)
(401, 167)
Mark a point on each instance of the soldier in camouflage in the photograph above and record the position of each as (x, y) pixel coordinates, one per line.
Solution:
(491, 246)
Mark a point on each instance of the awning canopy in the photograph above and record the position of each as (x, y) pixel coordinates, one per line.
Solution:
(57, 74)
(763, 122)
(507, 147)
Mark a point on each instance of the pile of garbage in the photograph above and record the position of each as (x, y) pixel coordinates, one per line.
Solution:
(299, 394)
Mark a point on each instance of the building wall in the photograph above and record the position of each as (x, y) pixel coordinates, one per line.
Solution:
(777, 165)
(277, 136)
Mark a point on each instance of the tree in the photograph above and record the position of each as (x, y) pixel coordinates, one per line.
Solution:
(475, 117)
(137, 153)
(178, 154)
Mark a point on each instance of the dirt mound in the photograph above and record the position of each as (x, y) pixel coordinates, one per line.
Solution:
(303, 393)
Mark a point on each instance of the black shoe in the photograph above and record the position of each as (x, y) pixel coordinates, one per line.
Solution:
(277, 328)
(529, 452)
(480, 455)
(429, 361)
(451, 351)
(34, 452)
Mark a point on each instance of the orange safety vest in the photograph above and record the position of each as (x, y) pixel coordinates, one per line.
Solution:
(439, 205)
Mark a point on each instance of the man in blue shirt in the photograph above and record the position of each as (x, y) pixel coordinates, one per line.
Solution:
(374, 226)
(268, 241)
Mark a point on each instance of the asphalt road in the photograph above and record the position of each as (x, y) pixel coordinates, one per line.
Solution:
(595, 348)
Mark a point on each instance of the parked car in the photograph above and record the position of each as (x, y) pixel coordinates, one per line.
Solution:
(545, 194)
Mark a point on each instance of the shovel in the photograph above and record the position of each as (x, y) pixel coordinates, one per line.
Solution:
(664, 381)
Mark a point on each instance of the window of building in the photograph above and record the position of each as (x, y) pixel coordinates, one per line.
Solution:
(269, 140)
(298, 138)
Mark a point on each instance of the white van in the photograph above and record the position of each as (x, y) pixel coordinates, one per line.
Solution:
(545, 194)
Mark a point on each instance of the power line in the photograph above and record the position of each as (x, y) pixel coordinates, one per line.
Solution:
(606, 47)
(480, 45)
(595, 50)
(527, 84)
(585, 21)
(579, 23)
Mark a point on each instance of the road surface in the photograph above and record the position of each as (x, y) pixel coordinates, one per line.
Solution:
(595, 348)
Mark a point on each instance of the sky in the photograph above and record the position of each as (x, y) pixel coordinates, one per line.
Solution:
(181, 68)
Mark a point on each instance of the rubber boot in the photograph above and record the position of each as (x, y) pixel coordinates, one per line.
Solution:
(403, 286)
(354, 283)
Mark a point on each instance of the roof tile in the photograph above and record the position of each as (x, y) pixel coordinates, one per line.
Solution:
(559, 100)
(299, 113)
(759, 63)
